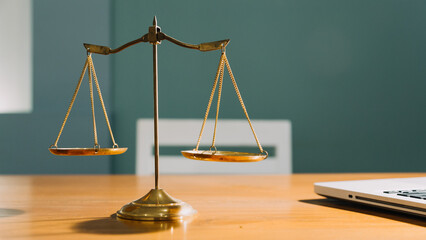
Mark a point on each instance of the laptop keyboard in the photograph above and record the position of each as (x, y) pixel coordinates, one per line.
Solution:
(418, 193)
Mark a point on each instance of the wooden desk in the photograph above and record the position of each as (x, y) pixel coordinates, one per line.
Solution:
(230, 207)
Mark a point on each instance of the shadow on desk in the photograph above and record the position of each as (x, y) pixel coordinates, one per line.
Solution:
(9, 212)
(370, 210)
(115, 225)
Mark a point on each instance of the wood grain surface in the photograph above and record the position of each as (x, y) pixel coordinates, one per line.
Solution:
(229, 207)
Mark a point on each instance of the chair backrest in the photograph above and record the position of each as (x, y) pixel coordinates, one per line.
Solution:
(182, 134)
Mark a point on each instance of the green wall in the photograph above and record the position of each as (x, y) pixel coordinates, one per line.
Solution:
(59, 29)
(349, 74)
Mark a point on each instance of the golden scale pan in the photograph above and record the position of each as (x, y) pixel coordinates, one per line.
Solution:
(96, 150)
(195, 154)
(224, 156)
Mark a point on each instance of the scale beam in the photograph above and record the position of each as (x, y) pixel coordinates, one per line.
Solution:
(158, 37)
(204, 47)
(107, 50)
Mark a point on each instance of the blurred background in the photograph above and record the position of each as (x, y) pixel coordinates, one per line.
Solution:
(350, 75)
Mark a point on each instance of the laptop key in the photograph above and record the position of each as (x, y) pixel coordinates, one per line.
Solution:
(416, 193)
(390, 192)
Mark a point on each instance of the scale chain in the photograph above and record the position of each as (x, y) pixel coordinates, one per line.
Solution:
(241, 102)
(219, 94)
(95, 134)
(72, 102)
(220, 72)
(102, 103)
(219, 69)
(92, 75)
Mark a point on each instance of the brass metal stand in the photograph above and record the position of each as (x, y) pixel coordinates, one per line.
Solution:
(156, 205)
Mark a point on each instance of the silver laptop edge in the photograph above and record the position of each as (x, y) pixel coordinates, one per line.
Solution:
(371, 192)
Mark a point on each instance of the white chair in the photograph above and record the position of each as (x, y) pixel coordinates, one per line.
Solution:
(184, 132)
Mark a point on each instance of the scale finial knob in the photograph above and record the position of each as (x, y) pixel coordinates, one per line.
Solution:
(154, 22)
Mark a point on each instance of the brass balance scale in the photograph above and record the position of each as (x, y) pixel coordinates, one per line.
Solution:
(157, 205)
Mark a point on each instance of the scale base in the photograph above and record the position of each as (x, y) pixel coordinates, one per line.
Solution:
(156, 205)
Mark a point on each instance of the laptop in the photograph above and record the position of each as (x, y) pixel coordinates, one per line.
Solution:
(401, 194)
